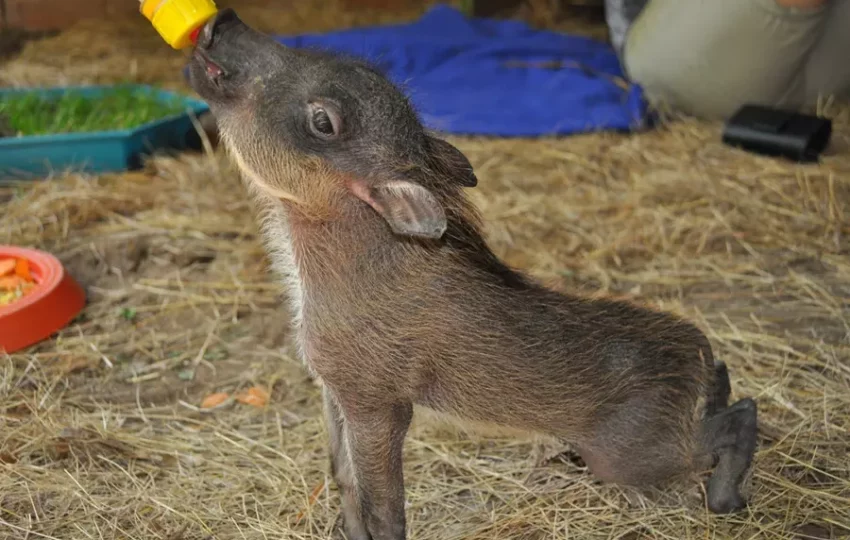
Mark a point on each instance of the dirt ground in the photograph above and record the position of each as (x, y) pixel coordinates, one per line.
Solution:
(101, 435)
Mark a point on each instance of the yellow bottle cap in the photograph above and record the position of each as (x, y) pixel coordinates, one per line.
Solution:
(175, 20)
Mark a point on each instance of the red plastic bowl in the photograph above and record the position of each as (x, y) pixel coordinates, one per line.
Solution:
(54, 302)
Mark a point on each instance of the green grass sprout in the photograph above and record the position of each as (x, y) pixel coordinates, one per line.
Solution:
(74, 112)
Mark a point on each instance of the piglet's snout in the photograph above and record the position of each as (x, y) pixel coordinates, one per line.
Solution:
(223, 21)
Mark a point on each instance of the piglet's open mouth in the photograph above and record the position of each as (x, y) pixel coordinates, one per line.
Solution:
(213, 70)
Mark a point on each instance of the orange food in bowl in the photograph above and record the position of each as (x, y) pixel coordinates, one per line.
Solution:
(16, 281)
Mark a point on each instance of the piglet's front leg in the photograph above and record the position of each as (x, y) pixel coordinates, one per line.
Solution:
(367, 456)
(342, 470)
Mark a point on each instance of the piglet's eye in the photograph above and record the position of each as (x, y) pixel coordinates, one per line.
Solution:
(324, 121)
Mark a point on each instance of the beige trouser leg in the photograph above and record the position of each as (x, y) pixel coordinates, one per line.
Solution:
(709, 57)
(828, 69)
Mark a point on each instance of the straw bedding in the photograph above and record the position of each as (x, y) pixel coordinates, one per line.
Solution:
(101, 435)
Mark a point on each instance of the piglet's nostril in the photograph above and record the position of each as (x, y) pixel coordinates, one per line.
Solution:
(216, 26)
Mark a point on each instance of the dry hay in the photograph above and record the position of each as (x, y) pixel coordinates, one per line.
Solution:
(102, 437)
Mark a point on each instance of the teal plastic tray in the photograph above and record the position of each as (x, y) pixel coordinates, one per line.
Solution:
(97, 152)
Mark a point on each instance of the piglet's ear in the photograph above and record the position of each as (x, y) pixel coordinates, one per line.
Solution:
(409, 209)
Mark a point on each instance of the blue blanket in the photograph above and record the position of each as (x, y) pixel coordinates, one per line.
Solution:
(479, 76)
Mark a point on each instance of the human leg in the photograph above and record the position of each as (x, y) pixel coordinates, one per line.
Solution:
(828, 69)
(710, 57)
